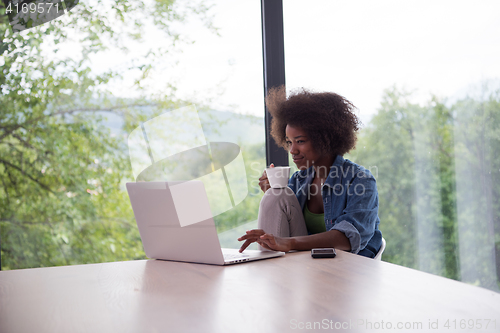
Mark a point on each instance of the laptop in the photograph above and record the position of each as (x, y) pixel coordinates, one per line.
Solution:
(175, 223)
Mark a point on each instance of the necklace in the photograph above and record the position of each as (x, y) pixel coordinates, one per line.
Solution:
(322, 181)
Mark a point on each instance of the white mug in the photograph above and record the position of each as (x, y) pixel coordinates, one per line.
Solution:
(278, 176)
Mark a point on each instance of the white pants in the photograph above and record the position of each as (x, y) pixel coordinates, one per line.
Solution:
(280, 213)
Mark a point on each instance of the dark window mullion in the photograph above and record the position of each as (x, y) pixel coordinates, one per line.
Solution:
(273, 48)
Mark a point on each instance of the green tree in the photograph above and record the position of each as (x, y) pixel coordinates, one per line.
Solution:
(61, 170)
(477, 145)
(436, 167)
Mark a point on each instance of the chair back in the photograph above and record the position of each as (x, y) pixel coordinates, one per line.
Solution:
(378, 256)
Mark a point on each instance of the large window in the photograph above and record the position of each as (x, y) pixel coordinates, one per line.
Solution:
(425, 77)
(75, 89)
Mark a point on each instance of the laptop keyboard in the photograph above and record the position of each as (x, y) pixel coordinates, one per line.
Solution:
(230, 256)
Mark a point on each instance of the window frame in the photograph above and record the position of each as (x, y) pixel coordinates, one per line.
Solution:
(273, 54)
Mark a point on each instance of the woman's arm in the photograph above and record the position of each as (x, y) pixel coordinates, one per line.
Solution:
(332, 238)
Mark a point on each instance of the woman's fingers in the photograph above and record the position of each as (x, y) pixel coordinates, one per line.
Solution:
(264, 181)
(250, 237)
(269, 239)
(252, 233)
(245, 245)
(264, 245)
(255, 232)
(275, 243)
(264, 173)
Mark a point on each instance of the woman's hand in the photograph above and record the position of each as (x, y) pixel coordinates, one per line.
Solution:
(267, 241)
(264, 181)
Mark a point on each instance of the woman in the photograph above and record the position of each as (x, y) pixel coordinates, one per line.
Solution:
(330, 201)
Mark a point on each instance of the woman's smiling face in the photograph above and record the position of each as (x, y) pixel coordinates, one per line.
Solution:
(301, 147)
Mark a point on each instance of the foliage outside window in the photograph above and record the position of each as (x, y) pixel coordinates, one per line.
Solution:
(62, 166)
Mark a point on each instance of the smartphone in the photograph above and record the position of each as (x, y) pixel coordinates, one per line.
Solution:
(323, 253)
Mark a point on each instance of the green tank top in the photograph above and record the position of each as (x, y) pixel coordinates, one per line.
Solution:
(315, 223)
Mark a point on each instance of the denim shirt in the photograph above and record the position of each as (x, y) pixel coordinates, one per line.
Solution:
(350, 200)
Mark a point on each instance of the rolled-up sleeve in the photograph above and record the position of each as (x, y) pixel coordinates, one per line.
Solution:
(359, 218)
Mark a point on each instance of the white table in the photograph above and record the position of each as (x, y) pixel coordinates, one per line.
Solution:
(275, 295)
